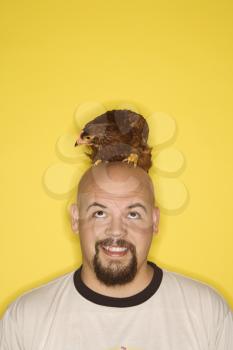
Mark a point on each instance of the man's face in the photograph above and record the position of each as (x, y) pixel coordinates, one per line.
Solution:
(116, 224)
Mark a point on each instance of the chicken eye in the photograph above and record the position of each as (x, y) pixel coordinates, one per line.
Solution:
(88, 137)
(99, 214)
(134, 215)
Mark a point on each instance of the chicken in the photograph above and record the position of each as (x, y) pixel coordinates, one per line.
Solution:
(117, 135)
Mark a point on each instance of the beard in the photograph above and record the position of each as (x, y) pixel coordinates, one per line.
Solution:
(116, 272)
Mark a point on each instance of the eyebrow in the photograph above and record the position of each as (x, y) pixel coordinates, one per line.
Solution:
(137, 205)
(96, 204)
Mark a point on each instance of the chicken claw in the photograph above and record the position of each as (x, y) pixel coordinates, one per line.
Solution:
(132, 158)
(97, 162)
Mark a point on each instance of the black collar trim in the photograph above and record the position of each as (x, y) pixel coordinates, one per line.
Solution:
(132, 300)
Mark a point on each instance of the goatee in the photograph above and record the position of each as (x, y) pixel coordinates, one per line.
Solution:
(116, 273)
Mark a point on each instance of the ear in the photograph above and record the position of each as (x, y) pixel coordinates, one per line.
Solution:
(156, 217)
(74, 217)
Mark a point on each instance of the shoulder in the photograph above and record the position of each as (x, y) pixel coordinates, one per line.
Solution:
(195, 294)
(199, 305)
(40, 298)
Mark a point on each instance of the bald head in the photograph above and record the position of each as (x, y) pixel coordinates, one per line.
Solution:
(115, 208)
(117, 179)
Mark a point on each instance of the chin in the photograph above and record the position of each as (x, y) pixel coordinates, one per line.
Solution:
(114, 271)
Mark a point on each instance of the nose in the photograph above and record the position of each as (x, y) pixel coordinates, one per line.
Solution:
(116, 227)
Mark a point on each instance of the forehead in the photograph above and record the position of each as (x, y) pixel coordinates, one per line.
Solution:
(108, 199)
(123, 185)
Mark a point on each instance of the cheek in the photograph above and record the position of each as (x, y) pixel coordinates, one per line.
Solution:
(143, 244)
(87, 243)
(142, 227)
(92, 228)
(141, 236)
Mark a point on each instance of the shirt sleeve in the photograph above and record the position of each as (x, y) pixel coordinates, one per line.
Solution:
(10, 335)
(224, 339)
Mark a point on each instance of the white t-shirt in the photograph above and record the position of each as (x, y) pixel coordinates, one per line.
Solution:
(172, 313)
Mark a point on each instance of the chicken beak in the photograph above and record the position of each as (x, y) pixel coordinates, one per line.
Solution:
(79, 140)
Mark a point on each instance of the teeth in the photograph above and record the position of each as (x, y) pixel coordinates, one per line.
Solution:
(115, 249)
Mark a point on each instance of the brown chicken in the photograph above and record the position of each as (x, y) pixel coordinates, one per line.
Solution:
(117, 135)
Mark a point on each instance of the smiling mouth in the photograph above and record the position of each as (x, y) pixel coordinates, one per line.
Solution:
(114, 250)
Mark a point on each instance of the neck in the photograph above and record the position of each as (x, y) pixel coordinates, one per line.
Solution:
(142, 279)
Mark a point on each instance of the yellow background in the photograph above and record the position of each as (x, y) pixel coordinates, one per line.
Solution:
(171, 56)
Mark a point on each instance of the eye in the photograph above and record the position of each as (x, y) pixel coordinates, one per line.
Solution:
(87, 137)
(134, 215)
(99, 214)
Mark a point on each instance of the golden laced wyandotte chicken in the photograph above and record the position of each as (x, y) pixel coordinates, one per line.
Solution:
(117, 135)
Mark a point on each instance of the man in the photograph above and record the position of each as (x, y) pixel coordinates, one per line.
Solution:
(117, 299)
